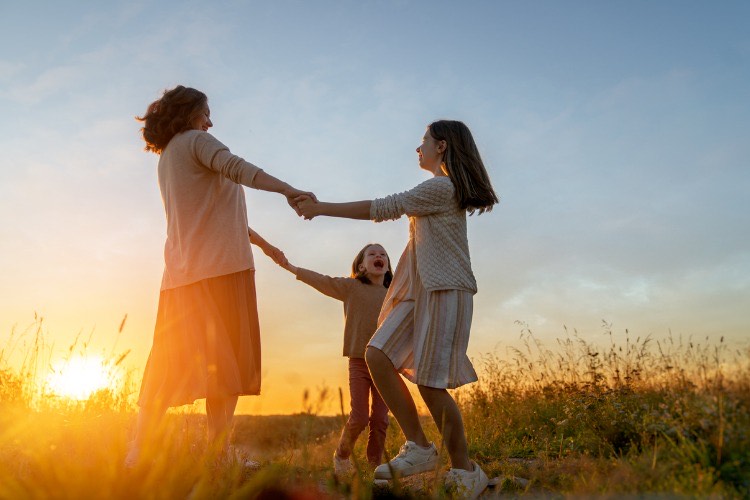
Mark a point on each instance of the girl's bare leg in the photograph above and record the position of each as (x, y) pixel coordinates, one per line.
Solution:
(447, 416)
(395, 394)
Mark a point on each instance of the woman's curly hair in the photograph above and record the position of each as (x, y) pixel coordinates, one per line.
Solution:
(170, 115)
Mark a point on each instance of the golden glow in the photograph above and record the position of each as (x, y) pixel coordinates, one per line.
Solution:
(79, 377)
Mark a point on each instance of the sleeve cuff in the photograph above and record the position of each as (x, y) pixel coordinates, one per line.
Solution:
(250, 175)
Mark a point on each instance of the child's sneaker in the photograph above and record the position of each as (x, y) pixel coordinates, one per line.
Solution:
(411, 459)
(465, 483)
(341, 466)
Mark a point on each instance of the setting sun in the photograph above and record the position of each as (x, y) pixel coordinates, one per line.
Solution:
(79, 377)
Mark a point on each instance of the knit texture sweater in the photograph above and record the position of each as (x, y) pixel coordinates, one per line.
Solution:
(437, 233)
(201, 187)
(361, 306)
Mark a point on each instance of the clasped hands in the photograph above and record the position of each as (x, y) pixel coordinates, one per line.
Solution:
(303, 203)
(306, 206)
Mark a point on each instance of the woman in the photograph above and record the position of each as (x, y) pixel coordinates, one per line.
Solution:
(207, 338)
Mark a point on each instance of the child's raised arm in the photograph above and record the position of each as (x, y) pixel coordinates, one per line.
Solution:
(289, 267)
(310, 208)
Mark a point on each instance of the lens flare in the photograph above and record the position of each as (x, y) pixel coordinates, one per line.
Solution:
(79, 377)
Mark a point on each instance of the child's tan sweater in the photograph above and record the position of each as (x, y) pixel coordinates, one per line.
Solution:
(361, 306)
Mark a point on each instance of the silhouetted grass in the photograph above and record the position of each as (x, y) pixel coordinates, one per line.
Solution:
(639, 417)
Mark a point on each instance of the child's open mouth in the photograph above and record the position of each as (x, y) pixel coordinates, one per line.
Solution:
(379, 264)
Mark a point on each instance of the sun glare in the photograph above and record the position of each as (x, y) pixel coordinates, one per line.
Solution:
(79, 377)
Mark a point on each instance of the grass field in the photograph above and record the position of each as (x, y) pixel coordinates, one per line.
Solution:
(641, 417)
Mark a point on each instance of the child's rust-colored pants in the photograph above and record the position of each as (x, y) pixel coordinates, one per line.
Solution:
(360, 388)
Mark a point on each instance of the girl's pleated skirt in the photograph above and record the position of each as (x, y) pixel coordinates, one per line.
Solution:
(426, 334)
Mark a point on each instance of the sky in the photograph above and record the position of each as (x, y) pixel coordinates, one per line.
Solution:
(615, 133)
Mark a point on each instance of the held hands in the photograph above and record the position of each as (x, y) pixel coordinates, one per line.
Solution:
(305, 206)
(292, 195)
(289, 267)
(276, 255)
(302, 202)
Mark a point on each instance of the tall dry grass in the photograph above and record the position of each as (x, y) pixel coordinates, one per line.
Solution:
(667, 416)
(641, 416)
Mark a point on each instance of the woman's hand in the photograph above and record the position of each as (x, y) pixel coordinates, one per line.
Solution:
(293, 194)
(305, 206)
(267, 182)
(275, 254)
(310, 208)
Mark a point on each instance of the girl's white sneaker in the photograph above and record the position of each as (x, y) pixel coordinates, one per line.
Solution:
(411, 459)
(466, 483)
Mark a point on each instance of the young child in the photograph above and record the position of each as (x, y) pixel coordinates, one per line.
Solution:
(423, 327)
(362, 295)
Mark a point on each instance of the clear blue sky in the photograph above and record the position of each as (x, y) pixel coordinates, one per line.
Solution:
(616, 134)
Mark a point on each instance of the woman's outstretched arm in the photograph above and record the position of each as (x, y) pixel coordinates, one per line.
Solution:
(309, 208)
(267, 182)
(274, 253)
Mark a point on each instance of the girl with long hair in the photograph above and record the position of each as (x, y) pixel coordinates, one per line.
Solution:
(423, 327)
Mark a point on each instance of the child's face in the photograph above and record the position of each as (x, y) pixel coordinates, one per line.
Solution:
(430, 153)
(375, 261)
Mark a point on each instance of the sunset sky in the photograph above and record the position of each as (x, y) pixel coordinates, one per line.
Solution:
(616, 134)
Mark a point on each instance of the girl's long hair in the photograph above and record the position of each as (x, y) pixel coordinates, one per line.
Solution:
(361, 276)
(464, 166)
(170, 115)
